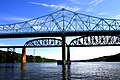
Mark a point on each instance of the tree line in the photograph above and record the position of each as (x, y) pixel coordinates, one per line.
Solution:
(111, 58)
(12, 57)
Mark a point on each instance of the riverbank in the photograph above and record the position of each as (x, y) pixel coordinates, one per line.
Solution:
(7, 57)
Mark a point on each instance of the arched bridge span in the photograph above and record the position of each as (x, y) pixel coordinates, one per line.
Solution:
(44, 42)
(95, 41)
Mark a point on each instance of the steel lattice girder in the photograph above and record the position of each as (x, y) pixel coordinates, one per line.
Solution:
(44, 42)
(61, 21)
(95, 41)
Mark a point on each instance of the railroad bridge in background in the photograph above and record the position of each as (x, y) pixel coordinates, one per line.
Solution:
(93, 31)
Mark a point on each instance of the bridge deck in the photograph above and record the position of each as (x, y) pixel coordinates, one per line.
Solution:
(57, 46)
(59, 34)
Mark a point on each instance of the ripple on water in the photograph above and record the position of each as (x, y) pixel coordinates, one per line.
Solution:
(52, 71)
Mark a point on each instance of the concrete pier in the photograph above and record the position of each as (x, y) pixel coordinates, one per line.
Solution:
(64, 61)
(68, 56)
(23, 56)
(63, 49)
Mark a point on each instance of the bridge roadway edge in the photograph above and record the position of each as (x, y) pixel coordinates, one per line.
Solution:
(59, 34)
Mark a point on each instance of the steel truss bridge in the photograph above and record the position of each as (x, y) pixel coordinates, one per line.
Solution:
(61, 22)
(82, 41)
(93, 31)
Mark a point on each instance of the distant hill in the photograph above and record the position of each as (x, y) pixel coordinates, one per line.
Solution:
(111, 58)
(6, 57)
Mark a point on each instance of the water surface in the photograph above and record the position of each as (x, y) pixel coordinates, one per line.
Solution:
(52, 71)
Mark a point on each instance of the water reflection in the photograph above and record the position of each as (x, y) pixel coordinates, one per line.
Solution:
(23, 72)
(23, 67)
(23, 76)
(69, 75)
(66, 72)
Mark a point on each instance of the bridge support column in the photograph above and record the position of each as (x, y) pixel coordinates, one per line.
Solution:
(10, 55)
(24, 55)
(14, 56)
(63, 49)
(68, 55)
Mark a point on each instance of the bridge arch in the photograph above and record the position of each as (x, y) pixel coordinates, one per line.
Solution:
(44, 42)
(95, 41)
(40, 42)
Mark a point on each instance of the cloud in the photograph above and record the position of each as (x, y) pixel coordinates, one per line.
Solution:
(91, 8)
(14, 19)
(117, 17)
(102, 14)
(19, 18)
(56, 6)
(74, 1)
(96, 2)
(93, 4)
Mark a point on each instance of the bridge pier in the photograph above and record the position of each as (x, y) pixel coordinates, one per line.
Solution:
(23, 62)
(10, 54)
(23, 56)
(68, 55)
(63, 49)
(64, 61)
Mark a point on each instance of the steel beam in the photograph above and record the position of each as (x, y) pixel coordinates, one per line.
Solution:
(59, 34)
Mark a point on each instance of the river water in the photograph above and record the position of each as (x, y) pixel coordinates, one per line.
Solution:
(52, 71)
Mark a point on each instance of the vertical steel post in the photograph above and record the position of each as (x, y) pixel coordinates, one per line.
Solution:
(13, 49)
(7, 49)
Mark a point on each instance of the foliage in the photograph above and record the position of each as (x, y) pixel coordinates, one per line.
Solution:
(6, 57)
(112, 58)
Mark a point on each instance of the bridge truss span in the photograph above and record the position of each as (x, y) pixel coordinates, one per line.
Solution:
(95, 41)
(44, 42)
(61, 21)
